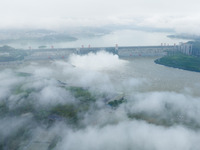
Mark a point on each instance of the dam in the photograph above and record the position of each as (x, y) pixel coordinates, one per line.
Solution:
(145, 51)
(17, 56)
(124, 51)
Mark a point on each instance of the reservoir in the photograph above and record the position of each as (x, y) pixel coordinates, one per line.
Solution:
(120, 37)
(145, 75)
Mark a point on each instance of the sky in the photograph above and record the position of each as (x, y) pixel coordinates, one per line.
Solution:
(59, 14)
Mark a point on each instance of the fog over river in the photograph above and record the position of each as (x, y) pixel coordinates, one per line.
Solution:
(161, 112)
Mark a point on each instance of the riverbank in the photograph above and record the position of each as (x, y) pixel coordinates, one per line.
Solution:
(181, 61)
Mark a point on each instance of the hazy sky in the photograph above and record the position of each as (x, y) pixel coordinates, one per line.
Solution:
(54, 14)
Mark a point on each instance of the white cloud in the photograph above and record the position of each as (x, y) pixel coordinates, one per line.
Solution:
(131, 135)
(100, 61)
(106, 128)
(183, 16)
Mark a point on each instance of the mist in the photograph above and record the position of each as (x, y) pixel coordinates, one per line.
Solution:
(73, 23)
(97, 100)
(152, 115)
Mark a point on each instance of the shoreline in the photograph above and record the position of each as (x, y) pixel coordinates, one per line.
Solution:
(180, 61)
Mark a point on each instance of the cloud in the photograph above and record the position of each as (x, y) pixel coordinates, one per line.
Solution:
(152, 118)
(182, 24)
(8, 81)
(58, 15)
(100, 61)
(131, 135)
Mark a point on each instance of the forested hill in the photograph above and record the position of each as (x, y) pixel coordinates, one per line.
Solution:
(181, 61)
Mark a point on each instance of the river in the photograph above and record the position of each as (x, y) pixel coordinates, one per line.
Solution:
(124, 38)
(120, 37)
(142, 71)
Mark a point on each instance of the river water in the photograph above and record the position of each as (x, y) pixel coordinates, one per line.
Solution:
(132, 38)
(120, 37)
(123, 38)
(139, 74)
(161, 78)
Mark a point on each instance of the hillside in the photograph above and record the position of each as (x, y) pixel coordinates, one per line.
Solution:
(181, 61)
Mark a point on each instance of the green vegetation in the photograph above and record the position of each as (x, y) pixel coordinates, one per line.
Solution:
(3, 109)
(46, 39)
(42, 115)
(23, 74)
(115, 103)
(63, 112)
(10, 54)
(185, 36)
(160, 120)
(54, 142)
(26, 107)
(82, 94)
(13, 141)
(84, 100)
(42, 47)
(181, 61)
(6, 48)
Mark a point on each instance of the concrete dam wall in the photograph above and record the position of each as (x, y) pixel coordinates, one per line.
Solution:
(145, 51)
(132, 51)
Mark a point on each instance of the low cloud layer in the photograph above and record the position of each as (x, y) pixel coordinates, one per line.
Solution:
(131, 135)
(100, 61)
(180, 24)
(149, 119)
(180, 16)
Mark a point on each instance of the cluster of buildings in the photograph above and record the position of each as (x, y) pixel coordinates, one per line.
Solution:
(185, 48)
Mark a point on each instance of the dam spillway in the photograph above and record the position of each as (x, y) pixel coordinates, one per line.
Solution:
(132, 51)
(123, 51)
